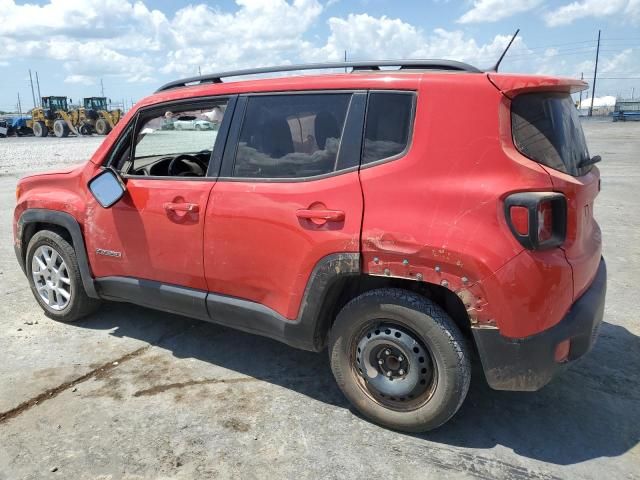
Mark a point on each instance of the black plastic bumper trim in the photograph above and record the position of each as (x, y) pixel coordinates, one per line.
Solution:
(528, 364)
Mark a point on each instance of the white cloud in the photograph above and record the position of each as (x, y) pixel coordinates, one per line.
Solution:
(571, 12)
(260, 32)
(129, 42)
(494, 10)
(82, 79)
(367, 37)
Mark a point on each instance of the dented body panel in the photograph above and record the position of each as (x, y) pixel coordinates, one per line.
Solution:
(445, 225)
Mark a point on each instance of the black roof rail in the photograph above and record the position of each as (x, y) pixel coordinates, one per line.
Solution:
(355, 66)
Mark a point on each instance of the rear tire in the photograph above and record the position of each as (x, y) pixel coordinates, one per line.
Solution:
(400, 359)
(40, 129)
(102, 127)
(54, 277)
(60, 129)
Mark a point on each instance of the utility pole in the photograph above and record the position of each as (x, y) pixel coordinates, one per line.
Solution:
(39, 94)
(101, 88)
(33, 94)
(633, 91)
(19, 105)
(581, 78)
(595, 76)
(199, 71)
(345, 61)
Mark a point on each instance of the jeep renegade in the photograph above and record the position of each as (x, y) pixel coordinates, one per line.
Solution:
(408, 219)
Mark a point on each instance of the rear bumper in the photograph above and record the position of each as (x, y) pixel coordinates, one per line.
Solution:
(528, 364)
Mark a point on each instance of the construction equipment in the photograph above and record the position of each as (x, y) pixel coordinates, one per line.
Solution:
(54, 116)
(95, 116)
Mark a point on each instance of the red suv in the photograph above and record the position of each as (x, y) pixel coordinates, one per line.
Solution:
(404, 218)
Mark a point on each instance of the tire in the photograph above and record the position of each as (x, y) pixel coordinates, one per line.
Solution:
(60, 128)
(198, 127)
(102, 127)
(40, 129)
(427, 347)
(78, 304)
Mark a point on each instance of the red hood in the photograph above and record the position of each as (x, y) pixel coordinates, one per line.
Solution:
(58, 171)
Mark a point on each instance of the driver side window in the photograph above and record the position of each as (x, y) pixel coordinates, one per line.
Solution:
(176, 142)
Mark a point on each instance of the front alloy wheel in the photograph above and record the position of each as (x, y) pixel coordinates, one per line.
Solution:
(51, 277)
(54, 277)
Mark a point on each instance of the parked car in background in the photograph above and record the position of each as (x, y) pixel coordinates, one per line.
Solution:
(192, 123)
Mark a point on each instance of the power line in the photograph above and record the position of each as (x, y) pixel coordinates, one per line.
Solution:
(595, 76)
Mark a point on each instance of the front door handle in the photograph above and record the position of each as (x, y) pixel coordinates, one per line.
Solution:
(182, 207)
(323, 215)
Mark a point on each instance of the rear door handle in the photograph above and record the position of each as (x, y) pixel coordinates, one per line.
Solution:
(182, 207)
(326, 215)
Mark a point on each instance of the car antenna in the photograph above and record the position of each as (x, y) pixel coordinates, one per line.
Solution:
(495, 67)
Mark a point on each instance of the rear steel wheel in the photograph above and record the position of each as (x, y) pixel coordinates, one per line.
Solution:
(394, 367)
(400, 359)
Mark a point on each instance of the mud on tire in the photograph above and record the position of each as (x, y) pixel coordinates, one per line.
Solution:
(409, 339)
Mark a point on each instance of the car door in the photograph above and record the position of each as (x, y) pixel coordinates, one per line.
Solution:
(155, 232)
(287, 197)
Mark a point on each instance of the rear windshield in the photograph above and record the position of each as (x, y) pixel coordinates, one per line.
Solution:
(546, 128)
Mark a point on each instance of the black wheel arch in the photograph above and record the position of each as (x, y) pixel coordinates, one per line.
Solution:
(36, 219)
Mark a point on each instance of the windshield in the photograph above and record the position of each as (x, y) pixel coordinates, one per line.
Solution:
(546, 128)
(58, 103)
(95, 103)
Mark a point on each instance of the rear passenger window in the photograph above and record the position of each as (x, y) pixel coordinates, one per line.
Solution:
(388, 125)
(291, 136)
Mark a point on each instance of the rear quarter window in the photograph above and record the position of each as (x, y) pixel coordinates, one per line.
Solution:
(388, 125)
(546, 128)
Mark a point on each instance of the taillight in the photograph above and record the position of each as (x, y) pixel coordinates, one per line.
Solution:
(545, 221)
(537, 219)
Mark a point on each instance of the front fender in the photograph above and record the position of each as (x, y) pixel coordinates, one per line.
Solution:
(69, 223)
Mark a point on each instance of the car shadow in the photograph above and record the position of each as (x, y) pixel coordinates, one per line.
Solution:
(590, 411)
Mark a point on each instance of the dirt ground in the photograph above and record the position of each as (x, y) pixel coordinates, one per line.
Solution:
(136, 394)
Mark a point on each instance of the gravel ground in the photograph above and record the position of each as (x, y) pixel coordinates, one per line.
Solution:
(133, 393)
(22, 155)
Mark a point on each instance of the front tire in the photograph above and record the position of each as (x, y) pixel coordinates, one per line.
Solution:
(54, 277)
(40, 129)
(60, 129)
(102, 127)
(400, 359)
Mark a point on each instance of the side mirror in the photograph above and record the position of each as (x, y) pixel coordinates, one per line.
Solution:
(107, 187)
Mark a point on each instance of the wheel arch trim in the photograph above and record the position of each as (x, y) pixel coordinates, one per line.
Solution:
(69, 223)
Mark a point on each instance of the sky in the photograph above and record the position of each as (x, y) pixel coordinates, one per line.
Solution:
(133, 47)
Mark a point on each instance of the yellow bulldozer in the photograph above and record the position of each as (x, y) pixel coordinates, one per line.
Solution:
(52, 116)
(55, 116)
(95, 116)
